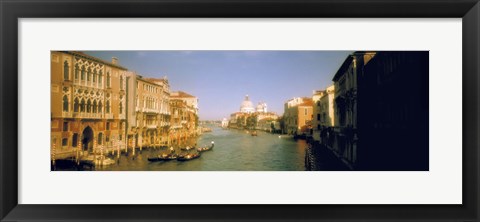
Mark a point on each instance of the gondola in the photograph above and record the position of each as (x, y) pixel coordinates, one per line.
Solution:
(163, 157)
(188, 156)
(187, 148)
(205, 148)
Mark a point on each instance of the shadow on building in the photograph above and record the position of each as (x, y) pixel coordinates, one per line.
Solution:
(381, 108)
(393, 107)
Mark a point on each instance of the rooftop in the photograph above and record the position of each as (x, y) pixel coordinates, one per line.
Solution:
(181, 94)
(86, 56)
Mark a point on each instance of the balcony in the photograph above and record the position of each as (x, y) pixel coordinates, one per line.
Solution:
(109, 116)
(151, 126)
(67, 115)
(88, 115)
(148, 110)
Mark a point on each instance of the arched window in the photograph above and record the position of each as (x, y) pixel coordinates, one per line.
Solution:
(121, 82)
(65, 103)
(100, 139)
(94, 75)
(88, 74)
(82, 76)
(94, 106)
(89, 106)
(100, 107)
(76, 71)
(120, 107)
(64, 142)
(75, 105)
(65, 70)
(100, 77)
(82, 106)
(75, 140)
(108, 79)
(107, 108)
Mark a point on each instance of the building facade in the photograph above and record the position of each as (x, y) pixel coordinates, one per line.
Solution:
(184, 117)
(393, 112)
(247, 106)
(88, 105)
(164, 108)
(250, 117)
(297, 116)
(345, 132)
(317, 94)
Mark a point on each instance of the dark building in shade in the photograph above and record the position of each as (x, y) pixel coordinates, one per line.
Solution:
(392, 112)
(381, 111)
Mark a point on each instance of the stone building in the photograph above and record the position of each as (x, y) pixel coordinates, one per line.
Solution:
(297, 116)
(247, 106)
(393, 112)
(184, 117)
(345, 101)
(88, 104)
(323, 113)
(261, 107)
(148, 116)
(250, 117)
(317, 94)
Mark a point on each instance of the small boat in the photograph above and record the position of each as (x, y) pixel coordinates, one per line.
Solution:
(188, 156)
(187, 148)
(285, 136)
(205, 148)
(206, 130)
(254, 133)
(164, 156)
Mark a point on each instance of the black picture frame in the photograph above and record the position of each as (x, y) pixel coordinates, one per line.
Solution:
(11, 11)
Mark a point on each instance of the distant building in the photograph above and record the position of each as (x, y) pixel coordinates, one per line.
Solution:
(250, 117)
(261, 107)
(317, 94)
(164, 107)
(147, 116)
(190, 100)
(247, 106)
(323, 112)
(184, 117)
(298, 116)
(327, 112)
(224, 123)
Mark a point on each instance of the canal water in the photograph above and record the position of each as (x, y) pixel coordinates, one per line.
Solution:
(235, 150)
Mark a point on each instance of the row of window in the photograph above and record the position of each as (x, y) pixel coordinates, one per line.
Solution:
(75, 140)
(148, 88)
(89, 74)
(88, 106)
(65, 126)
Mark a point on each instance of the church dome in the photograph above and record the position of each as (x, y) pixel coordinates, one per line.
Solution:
(262, 107)
(247, 106)
(259, 107)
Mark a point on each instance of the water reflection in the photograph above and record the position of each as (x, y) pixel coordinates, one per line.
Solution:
(234, 150)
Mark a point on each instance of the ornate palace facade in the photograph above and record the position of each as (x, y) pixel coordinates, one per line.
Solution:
(100, 107)
(88, 104)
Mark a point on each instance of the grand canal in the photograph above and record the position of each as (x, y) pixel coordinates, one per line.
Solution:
(235, 150)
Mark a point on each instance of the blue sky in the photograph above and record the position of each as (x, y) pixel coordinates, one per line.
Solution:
(221, 79)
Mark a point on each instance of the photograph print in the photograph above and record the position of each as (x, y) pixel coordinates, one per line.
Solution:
(251, 110)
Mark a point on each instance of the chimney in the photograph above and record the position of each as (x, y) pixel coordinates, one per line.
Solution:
(115, 60)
